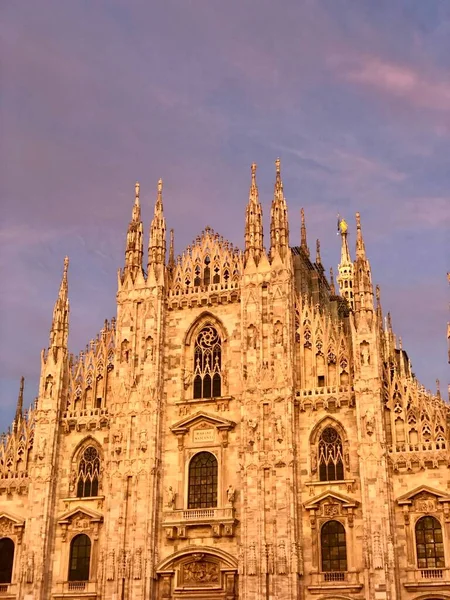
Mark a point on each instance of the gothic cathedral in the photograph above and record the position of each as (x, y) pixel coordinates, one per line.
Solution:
(242, 430)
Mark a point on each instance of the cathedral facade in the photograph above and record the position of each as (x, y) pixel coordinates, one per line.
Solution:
(244, 429)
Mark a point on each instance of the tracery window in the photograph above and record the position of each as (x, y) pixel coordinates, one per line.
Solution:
(80, 558)
(203, 481)
(429, 543)
(6, 559)
(207, 364)
(331, 465)
(88, 473)
(333, 547)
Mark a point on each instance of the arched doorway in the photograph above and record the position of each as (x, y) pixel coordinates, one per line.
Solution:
(195, 572)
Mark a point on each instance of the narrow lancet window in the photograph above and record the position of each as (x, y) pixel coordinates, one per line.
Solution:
(331, 466)
(88, 473)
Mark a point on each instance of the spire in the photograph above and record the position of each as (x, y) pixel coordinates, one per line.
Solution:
(134, 248)
(303, 243)
(363, 277)
(60, 324)
(332, 285)
(318, 258)
(279, 228)
(253, 222)
(171, 250)
(157, 243)
(345, 268)
(19, 408)
(360, 248)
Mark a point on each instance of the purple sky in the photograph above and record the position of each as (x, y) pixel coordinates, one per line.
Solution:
(353, 96)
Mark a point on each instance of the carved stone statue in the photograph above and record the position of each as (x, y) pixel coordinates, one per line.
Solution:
(278, 333)
(149, 348)
(364, 353)
(171, 497)
(252, 425)
(230, 494)
(279, 429)
(251, 337)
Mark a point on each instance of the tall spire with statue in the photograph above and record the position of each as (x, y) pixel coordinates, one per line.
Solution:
(345, 268)
(253, 222)
(279, 227)
(134, 246)
(157, 242)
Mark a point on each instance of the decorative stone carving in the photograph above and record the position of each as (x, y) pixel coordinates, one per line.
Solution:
(252, 568)
(200, 572)
(149, 349)
(331, 510)
(377, 550)
(6, 527)
(281, 558)
(278, 333)
(110, 566)
(424, 503)
(41, 447)
(29, 571)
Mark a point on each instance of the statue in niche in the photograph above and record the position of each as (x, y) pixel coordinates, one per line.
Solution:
(49, 386)
(231, 494)
(29, 571)
(364, 354)
(143, 440)
(41, 448)
(251, 337)
(124, 351)
(278, 333)
(149, 348)
(171, 497)
(279, 429)
(252, 425)
(370, 423)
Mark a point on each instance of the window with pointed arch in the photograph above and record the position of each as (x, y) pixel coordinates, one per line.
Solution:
(429, 543)
(330, 459)
(80, 558)
(333, 547)
(202, 486)
(208, 364)
(6, 559)
(88, 473)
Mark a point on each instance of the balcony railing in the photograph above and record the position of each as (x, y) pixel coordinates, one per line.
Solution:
(426, 578)
(4, 588)
(77, 586)
(199, 515)
(334, 576)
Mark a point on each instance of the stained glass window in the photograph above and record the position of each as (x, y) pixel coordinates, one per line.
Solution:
(207, 364)
(88, 473)
(331, 466)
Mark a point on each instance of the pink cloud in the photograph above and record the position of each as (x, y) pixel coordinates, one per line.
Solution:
(417, 88)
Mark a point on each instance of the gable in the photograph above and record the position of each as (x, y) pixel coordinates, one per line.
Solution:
(423, 491)
(199, 418)
(80, 513)
(331, 498)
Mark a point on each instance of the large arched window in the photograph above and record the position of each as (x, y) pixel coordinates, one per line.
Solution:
(333, 547)
(88, 473)
(429, 543)
(331, 465)
(6, 559)
(203, 481)
(207, 364)
(80, 558)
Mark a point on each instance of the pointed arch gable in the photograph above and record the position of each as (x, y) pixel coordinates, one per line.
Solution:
(202, 320)
(89, 440)
(327, 421)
